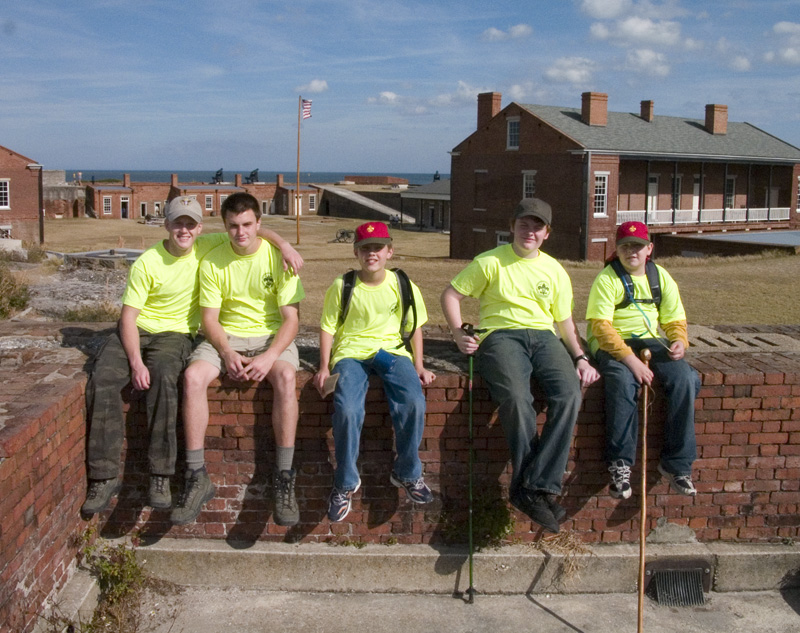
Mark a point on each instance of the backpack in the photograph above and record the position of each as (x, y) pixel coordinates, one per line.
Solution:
(406, 297)
(653, 280)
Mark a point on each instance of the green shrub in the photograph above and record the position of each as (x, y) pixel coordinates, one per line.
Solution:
(14, 295)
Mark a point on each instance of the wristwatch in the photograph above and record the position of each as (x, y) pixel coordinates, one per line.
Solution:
(578, 359)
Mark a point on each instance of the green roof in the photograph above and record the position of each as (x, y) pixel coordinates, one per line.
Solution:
(666, 136)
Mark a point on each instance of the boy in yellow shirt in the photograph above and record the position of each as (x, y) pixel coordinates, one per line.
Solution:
(364, 339)
(624, 317)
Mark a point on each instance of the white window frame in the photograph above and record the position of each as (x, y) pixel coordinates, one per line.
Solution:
(5, 193)
(729, 199)
(529, 183)
(696, 193)
(503, 237)
(222, 198)
(652, 193)
(312, 202)
(210, 202)
(677, 189)
(512, 132)
(600, 198)
(142, 209)
(106, 205)
(798, 195)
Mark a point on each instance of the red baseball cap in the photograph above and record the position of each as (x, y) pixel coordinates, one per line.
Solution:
(632, 232)
(372, 233)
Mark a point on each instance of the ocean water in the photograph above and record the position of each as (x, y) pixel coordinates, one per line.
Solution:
(229, 175)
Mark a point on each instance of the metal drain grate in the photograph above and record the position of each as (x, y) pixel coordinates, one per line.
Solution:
(679, 587)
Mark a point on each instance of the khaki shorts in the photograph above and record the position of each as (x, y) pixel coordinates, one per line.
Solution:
(249, 346)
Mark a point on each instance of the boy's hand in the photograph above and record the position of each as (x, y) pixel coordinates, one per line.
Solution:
(140, 377)
(426, 377)
(586, 373)
(257, 367)
(467, 344)
(677, 350)
(641, 372)
(234, 363)
(319, 379)
(292, 260)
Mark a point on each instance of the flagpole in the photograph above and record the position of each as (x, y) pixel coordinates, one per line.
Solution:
(297, 182)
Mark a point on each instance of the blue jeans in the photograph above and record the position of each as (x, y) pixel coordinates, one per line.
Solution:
(507, 360)
(406, 406)
(681, 384)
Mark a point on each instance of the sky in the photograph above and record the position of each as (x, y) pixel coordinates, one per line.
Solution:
(159, 85)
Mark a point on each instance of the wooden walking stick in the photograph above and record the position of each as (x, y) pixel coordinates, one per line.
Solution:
(645, 356)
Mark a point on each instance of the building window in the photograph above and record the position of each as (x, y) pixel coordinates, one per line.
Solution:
(106, 205)
(5, 199)
(798, 195)
(312, 202)
(730, 192)
(503, 237)
(142, 209)
(512, 138)
(677, 182)
(221, 200)
(528, 184)
(209, 203)
(601, 194)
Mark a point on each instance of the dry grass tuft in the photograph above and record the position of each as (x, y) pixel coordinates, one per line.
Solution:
(572, 552)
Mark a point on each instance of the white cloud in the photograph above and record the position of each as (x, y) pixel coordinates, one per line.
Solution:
(385, 98)
(517, 31)
(519, 92)
(315, 85)
(740, 63)
(790, 55)
(787, 28)
(647, 62)
(605, 9)
(635, 29)
(574, 70)
(788, 51)
(464, 94)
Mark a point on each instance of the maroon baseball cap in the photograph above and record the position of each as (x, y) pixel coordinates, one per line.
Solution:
(372, 233)
(632, 232)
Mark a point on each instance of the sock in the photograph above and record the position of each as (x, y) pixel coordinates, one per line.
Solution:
(196, 459)
(284, 455)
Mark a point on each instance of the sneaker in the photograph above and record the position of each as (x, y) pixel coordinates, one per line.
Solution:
(417, 490)
(559, 512)
(286, 511)
(620, 486)
(340, 502)
(196, 491)
(682, 484)
(159, 495)
(100, 494)
(534, 504)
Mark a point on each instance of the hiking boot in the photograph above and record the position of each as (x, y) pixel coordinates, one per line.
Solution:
(417, 491)
(559, 512)
(159, 496)
(286, 511)
(682, 484)
(340, 502)
(196, 491)
(620, 486)
(99, 495)
(534, 504)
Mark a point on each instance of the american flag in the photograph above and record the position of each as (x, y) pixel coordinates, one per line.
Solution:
(306, 108)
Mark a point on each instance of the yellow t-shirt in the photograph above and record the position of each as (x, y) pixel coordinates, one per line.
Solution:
(373, 318)
(607, 291)
(248, 290)
(516, 293)
(164, 288)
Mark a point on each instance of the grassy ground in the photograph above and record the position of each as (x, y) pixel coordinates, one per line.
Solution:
(746, 290)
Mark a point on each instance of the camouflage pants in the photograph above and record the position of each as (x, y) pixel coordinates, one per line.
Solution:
(164, 354)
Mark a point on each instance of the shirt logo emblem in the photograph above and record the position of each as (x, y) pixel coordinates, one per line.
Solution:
(543, 289)
(268, 281)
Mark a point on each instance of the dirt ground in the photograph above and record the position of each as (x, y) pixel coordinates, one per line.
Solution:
(715, 291)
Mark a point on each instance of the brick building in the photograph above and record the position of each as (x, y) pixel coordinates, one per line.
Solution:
(134, 200)
(599, 169)
(20, 197)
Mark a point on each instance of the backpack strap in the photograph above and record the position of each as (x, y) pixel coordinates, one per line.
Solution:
(348, 283)
(407, 300)
(653, 280)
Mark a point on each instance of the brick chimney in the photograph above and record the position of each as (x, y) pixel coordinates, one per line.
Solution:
(279, 180)
(488, 107)
(716, 118)
(126, 180)
(237, 180)
(648, 111)
(594, 108)
(173, 181)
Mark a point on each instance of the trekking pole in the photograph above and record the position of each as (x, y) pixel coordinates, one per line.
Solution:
(469, 330)
(645, 356)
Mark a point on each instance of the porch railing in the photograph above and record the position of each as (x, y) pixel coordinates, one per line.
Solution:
(704, 216)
